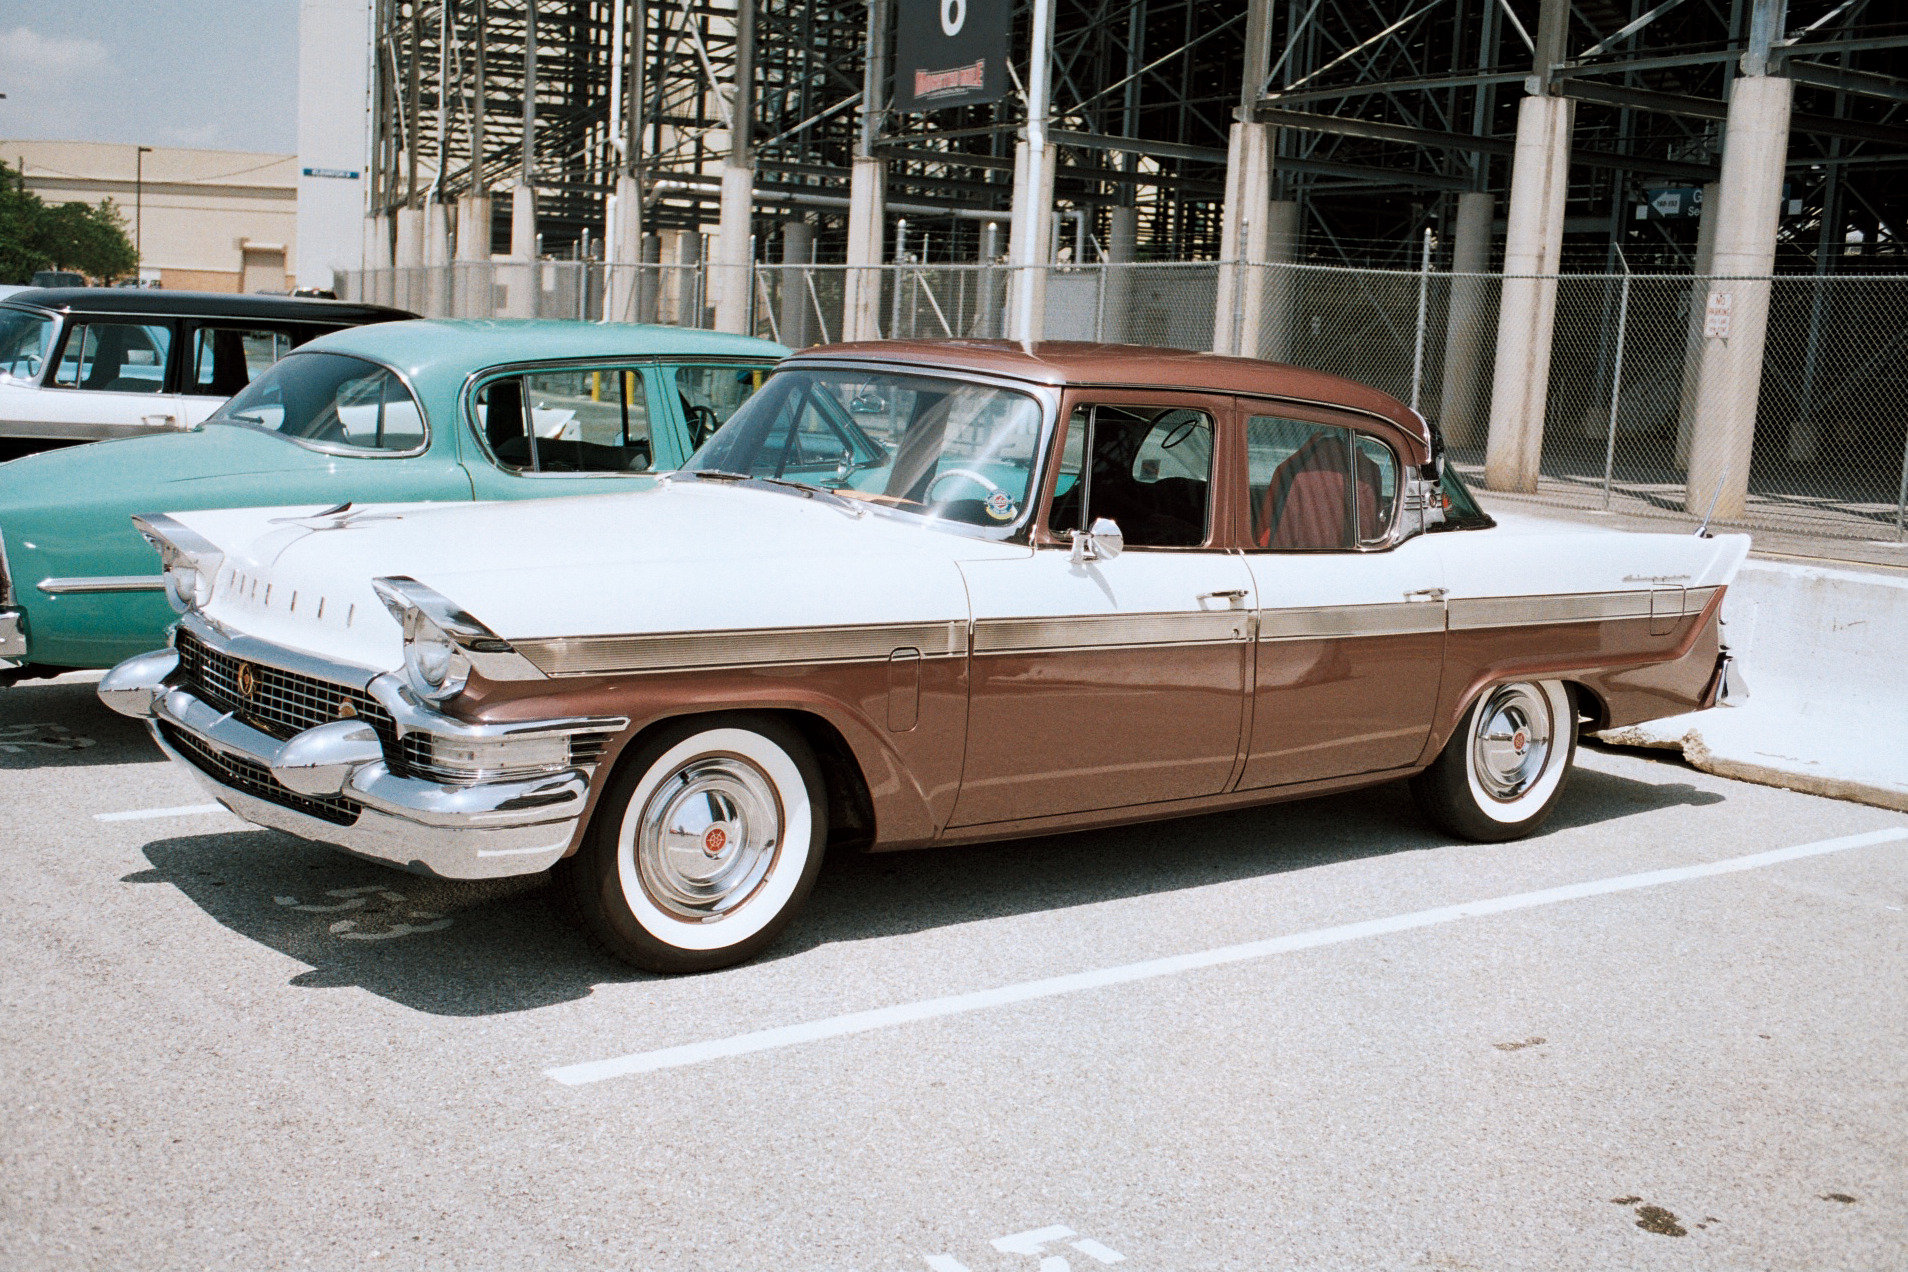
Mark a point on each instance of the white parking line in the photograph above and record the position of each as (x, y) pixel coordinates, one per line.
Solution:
(148, 814)
(1025, 991)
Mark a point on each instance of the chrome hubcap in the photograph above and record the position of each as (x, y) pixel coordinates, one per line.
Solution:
(1511, 745)
(708, 836)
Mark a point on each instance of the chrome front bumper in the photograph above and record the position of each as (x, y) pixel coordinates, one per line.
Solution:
(480, 831)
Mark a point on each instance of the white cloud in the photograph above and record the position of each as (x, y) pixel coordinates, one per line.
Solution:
(24, 51)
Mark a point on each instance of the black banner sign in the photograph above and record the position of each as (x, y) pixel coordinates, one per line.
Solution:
(949, 53)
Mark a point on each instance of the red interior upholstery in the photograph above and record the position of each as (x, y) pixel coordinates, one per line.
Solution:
(1305, 505)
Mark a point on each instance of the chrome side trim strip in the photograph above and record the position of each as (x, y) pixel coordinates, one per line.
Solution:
(698, 651)
(103, 583)
(1401, 618)
(1103, 631)
(1471, 613)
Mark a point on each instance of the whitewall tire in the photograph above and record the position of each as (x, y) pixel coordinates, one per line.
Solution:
(704, 845)
(1503, 770)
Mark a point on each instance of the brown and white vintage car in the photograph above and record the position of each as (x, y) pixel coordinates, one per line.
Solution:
(913, 594)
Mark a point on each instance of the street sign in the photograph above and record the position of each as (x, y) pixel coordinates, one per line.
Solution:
(950, 53)
(1716, 315)
(1675, 201)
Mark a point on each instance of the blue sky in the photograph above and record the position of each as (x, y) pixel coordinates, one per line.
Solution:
(221, 74)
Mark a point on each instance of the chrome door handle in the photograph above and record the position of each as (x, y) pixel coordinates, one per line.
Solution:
(1427, 594)
(1230, 596)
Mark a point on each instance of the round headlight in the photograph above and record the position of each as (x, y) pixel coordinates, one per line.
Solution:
(435, 666)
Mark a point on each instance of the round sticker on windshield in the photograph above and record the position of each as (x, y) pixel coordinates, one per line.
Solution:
(1000, 506)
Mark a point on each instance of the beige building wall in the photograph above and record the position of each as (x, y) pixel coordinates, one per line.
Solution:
(211, 220)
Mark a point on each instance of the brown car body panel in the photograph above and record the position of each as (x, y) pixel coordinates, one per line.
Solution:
(1115, 735)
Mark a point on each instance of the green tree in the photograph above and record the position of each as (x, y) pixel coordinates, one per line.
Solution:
(71, 236)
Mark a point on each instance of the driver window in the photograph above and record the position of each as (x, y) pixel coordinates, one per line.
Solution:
(709, 396)
(593, 420)
(1148, 468)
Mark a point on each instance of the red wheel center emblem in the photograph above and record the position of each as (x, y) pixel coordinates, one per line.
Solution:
(1520, 740)
(714, 840)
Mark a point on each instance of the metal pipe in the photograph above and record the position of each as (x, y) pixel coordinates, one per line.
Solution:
(1037, 105)
(529, 90)
(1616, 386)
(1417, 352)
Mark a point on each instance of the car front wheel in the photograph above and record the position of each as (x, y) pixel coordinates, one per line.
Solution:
(706, 843)
(1503, 770)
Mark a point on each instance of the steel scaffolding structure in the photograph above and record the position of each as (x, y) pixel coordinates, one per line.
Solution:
(1386, 112)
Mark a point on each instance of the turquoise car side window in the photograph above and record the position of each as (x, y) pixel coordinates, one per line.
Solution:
(568, 420)
(332, 401)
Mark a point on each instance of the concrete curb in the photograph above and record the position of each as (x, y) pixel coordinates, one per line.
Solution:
(1825, 652)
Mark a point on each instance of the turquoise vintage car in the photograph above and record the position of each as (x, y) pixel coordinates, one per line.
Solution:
(399, 412)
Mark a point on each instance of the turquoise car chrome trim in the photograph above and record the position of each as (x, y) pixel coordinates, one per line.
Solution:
(103, 583)
(66, 515)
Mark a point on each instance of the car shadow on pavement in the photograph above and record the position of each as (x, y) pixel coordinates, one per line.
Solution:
(63, 724)
(464, 948)
(449, 947)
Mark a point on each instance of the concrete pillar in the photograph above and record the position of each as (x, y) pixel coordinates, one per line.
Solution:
(1122, 239)
(989, 300)
(1030, 238)
(1527, 307)
(1244, 230)
(1693, 331)
(519, 278)
(867, 217)
(410, 237)
(623, 251)
(1463, 402)
(649, 280)
(685, 299)
(473, 228)
(796, 316)
(437, 257)
(730, 278)
(377, 241)
(1736, 308)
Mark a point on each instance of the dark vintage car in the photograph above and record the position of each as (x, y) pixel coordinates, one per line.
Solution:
(81, 364)
(914, 594)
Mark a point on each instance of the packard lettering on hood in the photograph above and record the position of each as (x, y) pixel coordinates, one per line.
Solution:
(914, 594)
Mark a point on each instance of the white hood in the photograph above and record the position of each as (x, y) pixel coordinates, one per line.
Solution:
(679, 557)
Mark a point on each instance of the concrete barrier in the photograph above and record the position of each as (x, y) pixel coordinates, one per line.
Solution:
(1825, 653)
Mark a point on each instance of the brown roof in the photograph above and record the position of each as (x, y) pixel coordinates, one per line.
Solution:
(1135, 366)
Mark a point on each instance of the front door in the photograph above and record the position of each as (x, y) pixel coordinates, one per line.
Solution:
(1112, 682)
(1351, 627)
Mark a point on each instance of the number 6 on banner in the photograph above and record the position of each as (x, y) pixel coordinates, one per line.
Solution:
(953, 16)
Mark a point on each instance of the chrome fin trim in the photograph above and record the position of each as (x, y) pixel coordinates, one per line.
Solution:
(701, 651)
(1472, 613)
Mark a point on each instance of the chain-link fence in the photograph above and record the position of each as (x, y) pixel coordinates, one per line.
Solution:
(1628, 414)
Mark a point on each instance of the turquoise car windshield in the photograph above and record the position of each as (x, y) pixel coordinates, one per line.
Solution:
(950, 449)
(330, 400)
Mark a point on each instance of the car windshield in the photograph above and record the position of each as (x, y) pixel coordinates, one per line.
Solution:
(330, 400)
(23, 340)
(949, 449)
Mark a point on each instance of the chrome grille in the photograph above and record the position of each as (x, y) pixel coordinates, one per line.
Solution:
(282, 703)
(257, 780)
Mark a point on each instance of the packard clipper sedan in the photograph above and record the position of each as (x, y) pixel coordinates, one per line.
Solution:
(914, 594)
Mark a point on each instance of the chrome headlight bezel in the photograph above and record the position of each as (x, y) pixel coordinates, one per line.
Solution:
(189, 562)
(443, 645)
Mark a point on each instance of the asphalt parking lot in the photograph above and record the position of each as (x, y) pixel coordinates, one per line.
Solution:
(1666, 1043)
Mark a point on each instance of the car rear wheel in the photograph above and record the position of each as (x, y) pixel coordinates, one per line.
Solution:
(1503, 769)
(706, 843)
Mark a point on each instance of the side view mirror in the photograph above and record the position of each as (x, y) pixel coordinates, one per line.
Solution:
(1102, 543)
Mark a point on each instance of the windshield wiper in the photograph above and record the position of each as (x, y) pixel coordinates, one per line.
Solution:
(801, 487)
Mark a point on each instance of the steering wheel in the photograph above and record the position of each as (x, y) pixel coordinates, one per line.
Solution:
(978, 479)
(702, 421)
